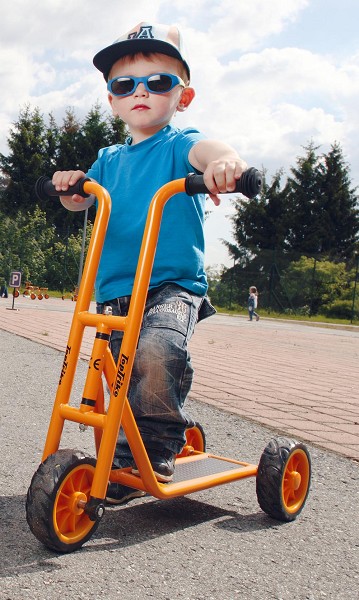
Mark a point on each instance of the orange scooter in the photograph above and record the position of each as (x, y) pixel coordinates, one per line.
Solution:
(66, 498)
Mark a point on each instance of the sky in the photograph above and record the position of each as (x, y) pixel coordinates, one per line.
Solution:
(270, 76)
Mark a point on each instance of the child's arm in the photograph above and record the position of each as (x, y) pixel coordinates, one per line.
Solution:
(220, 164)
(62, 180)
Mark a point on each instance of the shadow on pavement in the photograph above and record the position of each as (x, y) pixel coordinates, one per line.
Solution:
(121, 527)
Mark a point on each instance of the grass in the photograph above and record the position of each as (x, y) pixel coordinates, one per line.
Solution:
(235, 310)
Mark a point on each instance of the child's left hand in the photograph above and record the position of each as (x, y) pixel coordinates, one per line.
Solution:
(222, 175)
(220, 164)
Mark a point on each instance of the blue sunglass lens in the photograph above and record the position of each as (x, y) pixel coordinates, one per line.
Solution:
(159, 83)
(123, 86)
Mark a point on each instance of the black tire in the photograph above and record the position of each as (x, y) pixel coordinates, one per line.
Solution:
(283, 478)
(51, 504)
(195, 440)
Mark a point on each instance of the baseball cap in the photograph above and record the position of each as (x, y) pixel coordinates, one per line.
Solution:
(144, 37)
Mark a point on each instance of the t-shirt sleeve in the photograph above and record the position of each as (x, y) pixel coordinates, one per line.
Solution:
(186, 140)
(94, 171)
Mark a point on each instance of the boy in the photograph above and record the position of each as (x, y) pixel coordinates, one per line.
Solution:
(148, 79)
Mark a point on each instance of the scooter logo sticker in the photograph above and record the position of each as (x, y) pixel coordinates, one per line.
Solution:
(120, 377)
(96, 364)
(65, 363)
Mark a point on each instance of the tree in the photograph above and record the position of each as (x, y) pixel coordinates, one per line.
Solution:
(24, 240)
(313, 284)
(259, 232)
(51, 146)
(62, 260)
(338, 223)
(315, 214)
(259, 224)
(97, 132)
(79, 144)
(28, 145)
(38, 149)
(322, 206)
(305, 231)
(68, 157)
(69, 140)
(118, 131)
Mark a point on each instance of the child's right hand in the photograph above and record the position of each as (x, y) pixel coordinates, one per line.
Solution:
(62, 180)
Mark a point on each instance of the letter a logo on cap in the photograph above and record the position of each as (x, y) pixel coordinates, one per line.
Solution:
(145, 33)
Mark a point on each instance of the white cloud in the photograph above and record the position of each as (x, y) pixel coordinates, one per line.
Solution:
(270, 103)
(230, 25)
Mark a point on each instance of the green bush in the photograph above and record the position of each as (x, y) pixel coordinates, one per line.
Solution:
(341, 309)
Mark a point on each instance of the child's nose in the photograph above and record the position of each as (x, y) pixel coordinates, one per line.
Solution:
(140, 90)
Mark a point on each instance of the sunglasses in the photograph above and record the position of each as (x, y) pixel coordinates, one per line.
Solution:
(158, 83)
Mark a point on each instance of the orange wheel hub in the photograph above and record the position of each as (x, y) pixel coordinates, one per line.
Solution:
(295, 481)
(71, 523)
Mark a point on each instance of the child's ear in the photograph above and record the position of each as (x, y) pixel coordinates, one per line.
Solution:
(186, 98)
(110, 99)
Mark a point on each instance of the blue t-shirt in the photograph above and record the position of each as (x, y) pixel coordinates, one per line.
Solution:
(132, 175)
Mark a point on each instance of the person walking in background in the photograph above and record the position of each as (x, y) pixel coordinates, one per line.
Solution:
(3, 290)
(253, 303)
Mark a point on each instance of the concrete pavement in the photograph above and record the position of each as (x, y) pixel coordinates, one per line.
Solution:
(216, 544)
(297, 379)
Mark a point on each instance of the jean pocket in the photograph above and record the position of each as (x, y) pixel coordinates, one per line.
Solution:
(172, 308)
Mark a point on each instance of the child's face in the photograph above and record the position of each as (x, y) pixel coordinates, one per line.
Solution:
(146, 113)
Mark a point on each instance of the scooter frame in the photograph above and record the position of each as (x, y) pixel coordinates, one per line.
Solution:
(84, 502)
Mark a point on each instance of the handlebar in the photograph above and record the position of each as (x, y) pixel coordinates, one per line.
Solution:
(249, 185)
(44, 188)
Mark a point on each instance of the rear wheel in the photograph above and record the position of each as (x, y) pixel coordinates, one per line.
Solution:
(195, 440)
(56, 500)
(283, 478)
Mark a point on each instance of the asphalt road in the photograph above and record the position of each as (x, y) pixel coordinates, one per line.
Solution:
(214, 545)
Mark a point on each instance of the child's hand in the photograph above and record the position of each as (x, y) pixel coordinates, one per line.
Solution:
(220, 164)
(221, 176)
(62, 180)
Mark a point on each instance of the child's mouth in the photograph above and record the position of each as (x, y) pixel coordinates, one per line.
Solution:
(140, 107)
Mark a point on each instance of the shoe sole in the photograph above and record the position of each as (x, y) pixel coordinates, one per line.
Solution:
(161, 478)
(125, 499)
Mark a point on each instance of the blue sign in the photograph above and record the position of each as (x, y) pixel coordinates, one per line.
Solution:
(15, 279)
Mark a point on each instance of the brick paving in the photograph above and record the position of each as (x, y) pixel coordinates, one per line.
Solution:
(297, 379)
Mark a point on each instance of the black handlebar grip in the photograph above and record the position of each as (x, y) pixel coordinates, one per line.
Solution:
(44, 189)
(249, 184)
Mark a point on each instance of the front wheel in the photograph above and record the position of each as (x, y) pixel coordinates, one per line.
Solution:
(56, 498)
(283, 478)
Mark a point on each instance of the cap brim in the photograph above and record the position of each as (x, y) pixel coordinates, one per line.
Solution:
(104, 59)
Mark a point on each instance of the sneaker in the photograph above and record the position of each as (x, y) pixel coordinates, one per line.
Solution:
(163, 465)
(121, 494)
(257, 318)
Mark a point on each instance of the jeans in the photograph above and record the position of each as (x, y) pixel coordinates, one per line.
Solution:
(252, 313)
(162, 372)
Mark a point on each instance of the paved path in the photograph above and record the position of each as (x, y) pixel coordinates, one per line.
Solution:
(216, 544)
(298, 379)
